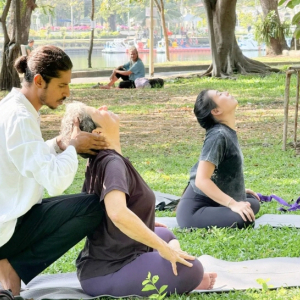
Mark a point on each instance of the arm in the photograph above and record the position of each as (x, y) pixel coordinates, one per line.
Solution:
(133, 227)
(33, 158)
(116, 71)
(208, 187)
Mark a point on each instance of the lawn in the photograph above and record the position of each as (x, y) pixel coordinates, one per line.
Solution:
(161, 137)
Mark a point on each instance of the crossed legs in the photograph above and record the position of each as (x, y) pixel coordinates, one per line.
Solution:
(45, 233)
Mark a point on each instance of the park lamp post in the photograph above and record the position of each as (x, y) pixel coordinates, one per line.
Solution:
(72, 19)
(151, 63)
(128, 14)
(37, 19)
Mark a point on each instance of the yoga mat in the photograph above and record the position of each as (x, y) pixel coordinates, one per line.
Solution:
(274, 220)
(170, 222)
(165, 201)
(282, 272)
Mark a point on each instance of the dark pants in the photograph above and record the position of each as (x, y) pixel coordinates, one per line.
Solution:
(197, 211)
(50, 229)
(126, 83)
(156, 82)
(128, 280)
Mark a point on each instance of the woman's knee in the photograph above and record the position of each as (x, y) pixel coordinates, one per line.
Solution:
(165, 234)
(189, 277)
(255, 205)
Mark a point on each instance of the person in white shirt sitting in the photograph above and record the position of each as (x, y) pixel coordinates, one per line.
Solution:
(35, 232)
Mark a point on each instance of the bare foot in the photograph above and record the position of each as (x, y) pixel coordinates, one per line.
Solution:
(9, 279)
(105, 87)
(207, 282)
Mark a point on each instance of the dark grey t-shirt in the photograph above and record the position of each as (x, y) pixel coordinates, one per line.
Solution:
(108, 249)
(221, 147)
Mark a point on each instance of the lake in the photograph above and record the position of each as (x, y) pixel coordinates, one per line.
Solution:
(111, 60)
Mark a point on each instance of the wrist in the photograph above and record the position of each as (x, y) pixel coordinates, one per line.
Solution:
(229, 202)
(59, 146)
(162, 245)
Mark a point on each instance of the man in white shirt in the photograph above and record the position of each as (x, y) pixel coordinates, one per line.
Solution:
(34, 232)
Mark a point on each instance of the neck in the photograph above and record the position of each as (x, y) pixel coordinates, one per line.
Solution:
(115, 146)
(114, 143)
(229, 121)
(31, 96)
(230, 124)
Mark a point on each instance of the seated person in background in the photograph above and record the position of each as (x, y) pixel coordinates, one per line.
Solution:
(129, 72)
(126, 246)
(29, 47)
(216, 194)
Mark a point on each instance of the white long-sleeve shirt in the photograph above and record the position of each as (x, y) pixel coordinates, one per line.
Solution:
(28, 164)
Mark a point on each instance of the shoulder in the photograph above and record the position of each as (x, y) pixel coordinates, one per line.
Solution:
(220, 130)
(16, 107)
(140, 62)
(109, 159)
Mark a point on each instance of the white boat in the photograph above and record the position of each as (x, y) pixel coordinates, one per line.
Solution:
(250, 45)
(115, 46)
(161, 48)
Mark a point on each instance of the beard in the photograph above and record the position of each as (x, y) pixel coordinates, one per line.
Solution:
(43, 100)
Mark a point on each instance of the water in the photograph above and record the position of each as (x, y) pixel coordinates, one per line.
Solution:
(111, 60)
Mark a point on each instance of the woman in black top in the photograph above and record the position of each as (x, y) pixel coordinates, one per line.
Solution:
(117, 258)
(216, 194)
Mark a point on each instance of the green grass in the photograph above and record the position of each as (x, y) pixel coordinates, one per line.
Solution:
(163, 140)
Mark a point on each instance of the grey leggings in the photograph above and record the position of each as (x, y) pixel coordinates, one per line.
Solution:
(128, 280)
(198, 211)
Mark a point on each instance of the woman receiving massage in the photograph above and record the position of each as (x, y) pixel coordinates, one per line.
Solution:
(216, 194)
(127, 245)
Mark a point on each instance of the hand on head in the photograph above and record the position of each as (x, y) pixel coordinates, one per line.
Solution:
(85, 142)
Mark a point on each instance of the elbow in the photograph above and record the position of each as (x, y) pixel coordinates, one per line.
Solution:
(116, 217)
(59, 187)
(199, 182)
(55, 191)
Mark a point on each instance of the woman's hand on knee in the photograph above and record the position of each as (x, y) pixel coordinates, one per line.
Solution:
(174, 256)
(243, 208)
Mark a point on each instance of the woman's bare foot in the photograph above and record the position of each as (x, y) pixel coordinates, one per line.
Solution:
(207, 282)
(105, 87)
(9, 278)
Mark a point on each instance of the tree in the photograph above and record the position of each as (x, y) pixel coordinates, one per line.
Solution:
(20, 15)
(110, 8)
(271, 29)
(9, 77)
(227, 57)
(161, 9)
(296, 19)
(92, 36)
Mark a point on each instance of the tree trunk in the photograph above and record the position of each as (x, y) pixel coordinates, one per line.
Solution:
(9, 77)
(276, 44)
(227, 57)
(92, 35)
(112, 22)
(26, 9)
(161, 9)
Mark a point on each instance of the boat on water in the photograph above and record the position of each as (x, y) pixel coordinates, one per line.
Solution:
(249, 44)
(115, 46)
(175, 45)
(183, 45)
